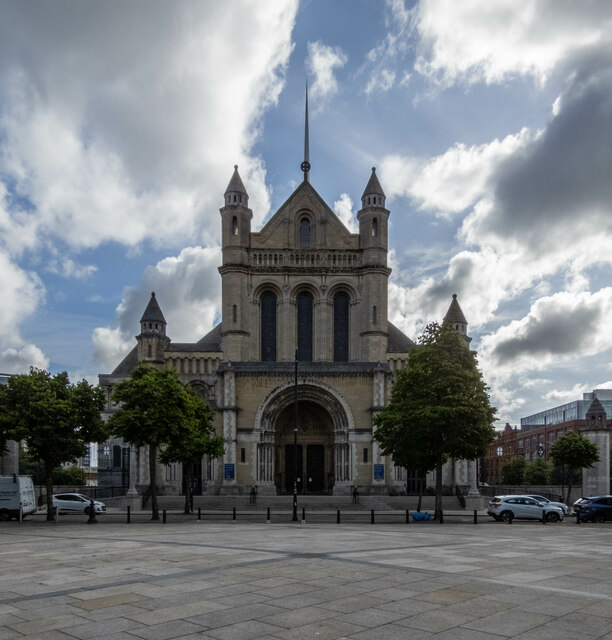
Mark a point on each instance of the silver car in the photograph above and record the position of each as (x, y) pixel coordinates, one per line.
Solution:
(76, 503)
(505, 508)
(546, 501)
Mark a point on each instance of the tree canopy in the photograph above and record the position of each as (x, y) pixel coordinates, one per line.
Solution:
(575, 451)
(439, 406)
(157, 410)
(55, 419)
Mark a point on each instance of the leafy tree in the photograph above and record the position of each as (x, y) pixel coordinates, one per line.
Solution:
(512, 472)
(197, 440)
(158, 411)
(71, 476)
(537, 472)
(439, 405)
(55, 419)
(576, 452)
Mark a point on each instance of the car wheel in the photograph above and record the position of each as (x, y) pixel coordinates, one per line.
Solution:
(599, 517)
(506, 515)
(552, 517)
(4, 515)
(86, 511)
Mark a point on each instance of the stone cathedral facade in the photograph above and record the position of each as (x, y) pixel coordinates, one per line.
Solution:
(301, 290)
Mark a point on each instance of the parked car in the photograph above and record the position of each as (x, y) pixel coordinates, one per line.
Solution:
(594, 508)
(546, 501)
(76, 503)
(523, 507)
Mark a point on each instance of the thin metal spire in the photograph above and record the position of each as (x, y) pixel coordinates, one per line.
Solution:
(306, 164)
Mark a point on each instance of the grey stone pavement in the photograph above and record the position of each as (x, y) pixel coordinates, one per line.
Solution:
(201, 579)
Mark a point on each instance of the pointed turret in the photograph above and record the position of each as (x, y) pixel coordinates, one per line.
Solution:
(455, 318)
(152, 341)
(235, 192)
(596, 415)
(373, 194)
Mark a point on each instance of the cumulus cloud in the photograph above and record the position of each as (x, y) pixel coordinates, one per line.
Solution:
(188, 290)
(322, 63)
(19, 360)
(343, 208)
(471, 41)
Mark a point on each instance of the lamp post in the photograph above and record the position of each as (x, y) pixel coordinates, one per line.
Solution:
(295, 430)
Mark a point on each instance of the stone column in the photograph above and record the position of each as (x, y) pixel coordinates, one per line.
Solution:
(132, 491)
(229, 485)
(379, 481)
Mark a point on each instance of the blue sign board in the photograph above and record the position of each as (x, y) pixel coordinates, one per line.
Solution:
(229, 472)
(379, 472)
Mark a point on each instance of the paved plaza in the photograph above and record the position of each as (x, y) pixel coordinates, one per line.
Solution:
(197, 579)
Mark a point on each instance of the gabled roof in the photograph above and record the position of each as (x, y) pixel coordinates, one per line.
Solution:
(212, 340)
(397, 341)
(153, 313)
(125, 367)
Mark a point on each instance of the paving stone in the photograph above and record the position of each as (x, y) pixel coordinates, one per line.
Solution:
(435, 620)
(508, 623)
(167, 630)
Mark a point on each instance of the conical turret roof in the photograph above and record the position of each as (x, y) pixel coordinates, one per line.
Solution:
(454, 313)
(235, 184)
(153, 313)
(373, 187)
(596, 409)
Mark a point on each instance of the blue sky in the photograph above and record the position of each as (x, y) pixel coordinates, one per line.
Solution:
(490, 124)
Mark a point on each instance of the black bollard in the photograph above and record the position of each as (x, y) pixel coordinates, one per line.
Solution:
(441, 516)
(129, 509)
(577, 517)
(372, 516)
(407, 516)
(199, 513)
(475, 516)
(510, 517)
(303, 515)
(234, 515)
(338, 516)
(268, 518)
(164, 516)
(92, 512)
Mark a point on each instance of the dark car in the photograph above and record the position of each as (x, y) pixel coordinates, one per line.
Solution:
(594, 508)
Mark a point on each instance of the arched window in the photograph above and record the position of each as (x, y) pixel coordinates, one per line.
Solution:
(235, 225)
(149, 351)
(304, 328)
(374, 227)
(304, 233)
(268, 326)
(341, 327)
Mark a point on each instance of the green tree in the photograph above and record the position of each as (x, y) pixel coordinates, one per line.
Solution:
(197, 440)
(537, 472)
(512, 472)
(439, 404)
(158, 411)
(70, 476)
(55, 419)
(575, 451)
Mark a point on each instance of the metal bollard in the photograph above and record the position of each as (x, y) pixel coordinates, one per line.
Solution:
(164, 516)
(338, 516)
(475, 516)
(129, 510)
(577, 517)
(372, 516)
(441, 516)
(510, 517)
(407, 516)
(268, 518)
(303, 515)
(543, 518)
(199, 513)
(234, 515)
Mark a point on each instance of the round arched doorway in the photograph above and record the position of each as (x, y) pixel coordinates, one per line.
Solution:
(315, 463)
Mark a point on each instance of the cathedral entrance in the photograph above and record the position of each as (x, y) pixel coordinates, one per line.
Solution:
(315, 459)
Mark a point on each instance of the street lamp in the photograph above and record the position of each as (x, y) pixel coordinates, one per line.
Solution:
(295, 430)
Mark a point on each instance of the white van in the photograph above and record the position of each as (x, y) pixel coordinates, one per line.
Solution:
(15, 491)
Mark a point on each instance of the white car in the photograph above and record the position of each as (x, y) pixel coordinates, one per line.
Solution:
(546, 501)
(76, 503)
(522, 507)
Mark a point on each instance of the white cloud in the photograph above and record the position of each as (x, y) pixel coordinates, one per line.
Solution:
(188, 290)
(19, 360)
(322, 62)
(68, 268)
(491, 42)
(556, 397)
(343, 208)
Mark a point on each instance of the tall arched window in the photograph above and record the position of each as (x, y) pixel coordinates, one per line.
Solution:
(374, 227)
(268, 326)
(304, 328)
(304, 233)
(341, 327)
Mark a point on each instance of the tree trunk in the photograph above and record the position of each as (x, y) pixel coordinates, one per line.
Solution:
(188, 486)
(438, 507)
(153, 481)
(49, 484)
(569, 486)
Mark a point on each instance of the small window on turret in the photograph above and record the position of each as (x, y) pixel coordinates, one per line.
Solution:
(235, 225)
(234, 197)
(374, 319)
(374, 227)
(235, 313)
(368, 199)
(149, 351)
(150, 326)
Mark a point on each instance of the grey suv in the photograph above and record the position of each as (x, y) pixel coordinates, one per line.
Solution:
(523, 507)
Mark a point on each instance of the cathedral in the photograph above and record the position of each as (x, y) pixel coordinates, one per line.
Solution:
(304, 355)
